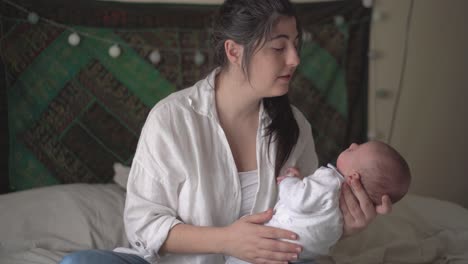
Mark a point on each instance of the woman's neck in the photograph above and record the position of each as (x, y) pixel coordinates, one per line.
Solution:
(235, 98)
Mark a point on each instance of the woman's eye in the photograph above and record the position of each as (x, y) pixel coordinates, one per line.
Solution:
(278, 49)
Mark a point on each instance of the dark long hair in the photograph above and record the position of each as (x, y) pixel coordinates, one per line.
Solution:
(250, 23)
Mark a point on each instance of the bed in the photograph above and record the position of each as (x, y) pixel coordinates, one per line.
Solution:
(41, 225)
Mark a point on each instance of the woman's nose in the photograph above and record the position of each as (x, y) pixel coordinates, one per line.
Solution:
(293, 58)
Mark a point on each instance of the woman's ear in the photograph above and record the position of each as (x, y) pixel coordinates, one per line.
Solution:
(233, 52)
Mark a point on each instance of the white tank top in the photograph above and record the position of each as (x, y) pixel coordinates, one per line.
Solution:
(249, 183)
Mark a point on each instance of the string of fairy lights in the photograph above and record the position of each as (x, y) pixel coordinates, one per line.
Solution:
(76, 35)
(115, 48)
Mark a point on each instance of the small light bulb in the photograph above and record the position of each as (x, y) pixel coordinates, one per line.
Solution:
(114, 51)
(33, 18)
(307, 36)
(367, 3)
(155, 57)
(339, 20)
(199, 58)
(74, 39)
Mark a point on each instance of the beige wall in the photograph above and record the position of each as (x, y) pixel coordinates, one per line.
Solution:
(431, 119)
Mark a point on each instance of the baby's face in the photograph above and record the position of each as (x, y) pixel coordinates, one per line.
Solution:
(348, 161)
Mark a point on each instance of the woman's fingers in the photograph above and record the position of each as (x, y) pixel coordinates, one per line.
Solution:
(349, 222)
(275, 250)
(385, 207)
(268, 231)
(259, 218)
(265, 261)
(272, 240)
(352, 204)
(276, 233)
(272, 256)
(252, 241)
(343, 206)
(357, 208)
(364, 208)
(280, 246)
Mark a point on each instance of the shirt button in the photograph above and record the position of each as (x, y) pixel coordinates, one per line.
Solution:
(138, 244)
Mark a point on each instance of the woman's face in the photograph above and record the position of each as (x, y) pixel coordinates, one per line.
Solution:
(273, 65)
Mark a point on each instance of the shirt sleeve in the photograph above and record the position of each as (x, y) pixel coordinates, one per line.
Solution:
(152, 193)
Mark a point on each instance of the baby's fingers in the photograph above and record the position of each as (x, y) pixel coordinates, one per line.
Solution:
(280, 178)
(294, 172)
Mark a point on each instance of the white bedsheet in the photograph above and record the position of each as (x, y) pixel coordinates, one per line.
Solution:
(42, 225)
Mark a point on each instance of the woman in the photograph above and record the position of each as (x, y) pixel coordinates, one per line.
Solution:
(209, 154)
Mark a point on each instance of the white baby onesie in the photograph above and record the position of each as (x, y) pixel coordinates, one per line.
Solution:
(310, 208)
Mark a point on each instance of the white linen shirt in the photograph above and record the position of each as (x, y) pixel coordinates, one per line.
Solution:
(184, 172)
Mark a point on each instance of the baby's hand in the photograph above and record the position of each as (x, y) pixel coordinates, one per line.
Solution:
(281, 178)
(290, 172)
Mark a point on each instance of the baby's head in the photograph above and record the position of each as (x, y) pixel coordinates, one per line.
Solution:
(381, 168)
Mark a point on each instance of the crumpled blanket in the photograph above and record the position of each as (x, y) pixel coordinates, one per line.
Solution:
(419, 230)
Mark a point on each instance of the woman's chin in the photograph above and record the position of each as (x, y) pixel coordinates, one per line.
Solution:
(281, 91)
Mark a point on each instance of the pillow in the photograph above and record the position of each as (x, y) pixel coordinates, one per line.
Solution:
(63, 218)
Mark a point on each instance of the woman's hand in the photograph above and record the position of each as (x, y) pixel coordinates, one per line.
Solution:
(357, 209)
(248, 239)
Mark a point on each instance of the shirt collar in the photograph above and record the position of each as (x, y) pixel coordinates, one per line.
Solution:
(202, 99)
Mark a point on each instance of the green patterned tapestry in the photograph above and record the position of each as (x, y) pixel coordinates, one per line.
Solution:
(74, 110)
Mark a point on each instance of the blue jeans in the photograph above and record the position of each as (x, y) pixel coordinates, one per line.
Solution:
(101, 257)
